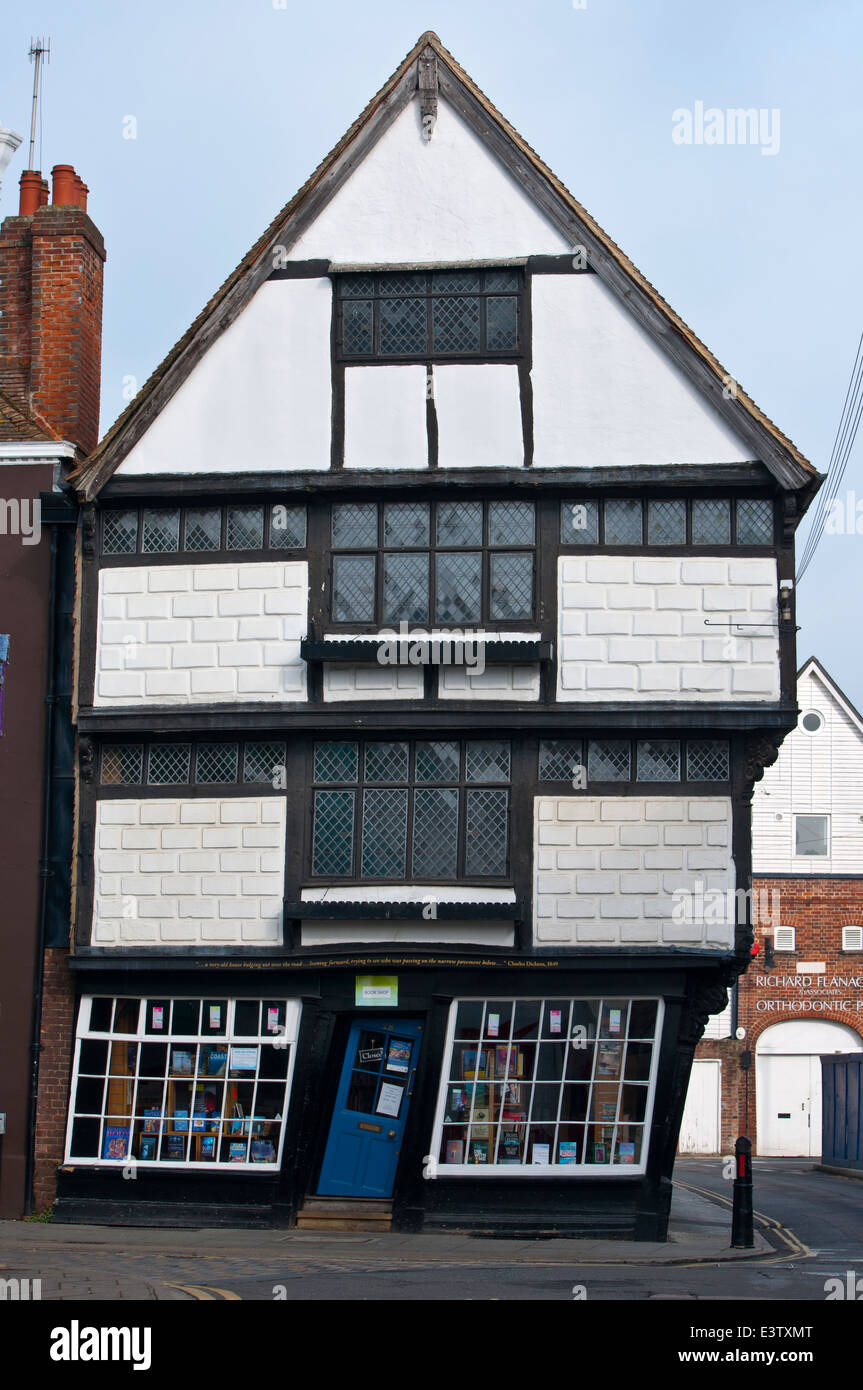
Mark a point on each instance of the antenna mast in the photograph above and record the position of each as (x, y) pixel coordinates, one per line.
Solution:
(39, 48)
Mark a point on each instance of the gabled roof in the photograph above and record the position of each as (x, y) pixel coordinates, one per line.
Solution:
(18, 425)
(768, 443)
(812, 666)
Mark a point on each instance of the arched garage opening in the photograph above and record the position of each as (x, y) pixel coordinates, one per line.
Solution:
(788, 1084)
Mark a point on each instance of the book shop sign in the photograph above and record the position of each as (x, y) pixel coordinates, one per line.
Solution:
(377, 991)
(811, 993)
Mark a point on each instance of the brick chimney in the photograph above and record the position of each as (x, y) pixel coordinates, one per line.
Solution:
(51, 268)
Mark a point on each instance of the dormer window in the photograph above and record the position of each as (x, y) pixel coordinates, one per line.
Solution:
(430, 316)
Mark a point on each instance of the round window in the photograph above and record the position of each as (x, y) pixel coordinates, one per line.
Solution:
(811, 722)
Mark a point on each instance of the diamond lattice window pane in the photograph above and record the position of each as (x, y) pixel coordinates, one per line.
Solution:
(511, 523)
(658, 760)
(623, 521)
(406, 523)
(119, 533)
(385, 833)
(459, 523)
(558, 759)
(336, 762)
(459, 588)
(386, 762)
(437, 762)
(455, 282)
(353, 588)
(203, 529)
(168, 763)
(579, 523)
(358, 328)
(122, 765)
(216, 762)
(501, 323)
(754, 521)
(488, 761)
(486, 832)
(245, 528)
(357, 286)
(456, 325)
(711, 521)
(404, 327)
(161, 531)
(333, 834)
(511, 585)
(287, 527)
(355, 525)
(435, 839)
(261, 761)
(707, 761)
(502, 280)
(608, 761)
(666, 522)
(406, 588)
(402, 284)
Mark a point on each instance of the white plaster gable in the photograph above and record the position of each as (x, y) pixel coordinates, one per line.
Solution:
(444, 199)
(259, 400)
(604, 393)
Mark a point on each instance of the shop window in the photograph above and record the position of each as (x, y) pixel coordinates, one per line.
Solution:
(436, 809)
(199, 1083)
(812, 835)
(559, 1085)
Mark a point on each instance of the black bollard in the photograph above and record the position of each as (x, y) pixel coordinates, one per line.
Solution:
(742, 1236)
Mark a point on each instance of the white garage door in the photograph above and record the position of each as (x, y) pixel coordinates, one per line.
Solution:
(788, 1084)
(700, 1128)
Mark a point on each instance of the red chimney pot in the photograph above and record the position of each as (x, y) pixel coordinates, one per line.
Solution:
(44, 193)
(31, 189)
(65, 192)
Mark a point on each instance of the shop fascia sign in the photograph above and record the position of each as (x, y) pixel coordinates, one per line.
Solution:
(376, 991)
(818, 991)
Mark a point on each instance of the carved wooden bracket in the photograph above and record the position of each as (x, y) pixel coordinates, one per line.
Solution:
(86, 758)
(760, 751)
(428, 85)
(88, 527)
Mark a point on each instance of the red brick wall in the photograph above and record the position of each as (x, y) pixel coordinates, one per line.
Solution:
(58, 1030)
(818, 909)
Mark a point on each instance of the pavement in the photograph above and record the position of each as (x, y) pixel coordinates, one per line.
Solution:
(146, 1263)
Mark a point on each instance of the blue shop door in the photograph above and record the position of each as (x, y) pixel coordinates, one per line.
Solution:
(371, 1109)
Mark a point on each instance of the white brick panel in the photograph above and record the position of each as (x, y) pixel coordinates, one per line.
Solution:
(599, 879)
(367, 681)
(496, 682)
(235, 638)
(184, 878)
(631, 628)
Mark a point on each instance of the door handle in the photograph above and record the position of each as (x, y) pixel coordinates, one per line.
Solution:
(391, 1134)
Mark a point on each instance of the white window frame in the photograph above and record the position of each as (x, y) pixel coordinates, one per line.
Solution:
(858, 939)
(811, 815)
(791, 939)
(84, 1033)
(552, 1170)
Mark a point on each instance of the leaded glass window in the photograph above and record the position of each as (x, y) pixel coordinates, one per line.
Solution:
(404, 809)
(462, 563)
(754, 521)
(122, 764)
(245, 528)
(658, 760)
(579, 523)
(216, 762)
(168, 763)
(203, 529)
(428, 316)
(120, 533)
(707, 760)
(161, 531)
(623, 524)
(666, 522)
(559, 759)
(608, 760)
(711, 521)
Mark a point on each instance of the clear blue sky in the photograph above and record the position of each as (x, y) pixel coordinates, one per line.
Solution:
(236, 101)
